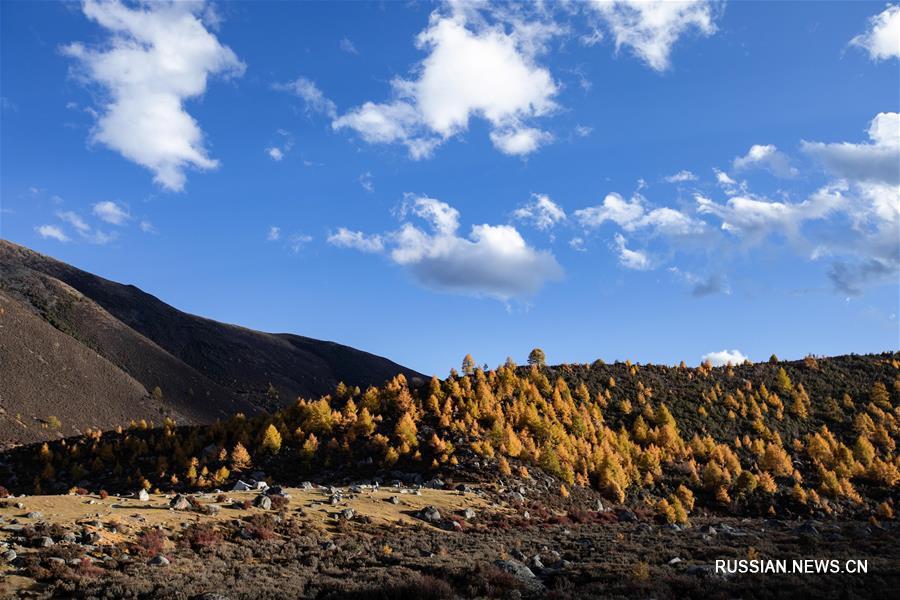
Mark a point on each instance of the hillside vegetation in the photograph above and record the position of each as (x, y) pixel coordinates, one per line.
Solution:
(809, 437)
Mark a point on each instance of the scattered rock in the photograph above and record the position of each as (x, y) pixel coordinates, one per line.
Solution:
(517, 497)
(241, 486)
(143, 496)
(262, 501)
(535, 562)
(180, 502)
(520, 571)
(626, 516)
(468, 514)
(435, 484)
(9, 556)
(69, 537)
(348, 514)
(45, 542)
(674, 561)
(430, 514)
(394, 500)
(159, 561)
(34, 515)
(306, 485)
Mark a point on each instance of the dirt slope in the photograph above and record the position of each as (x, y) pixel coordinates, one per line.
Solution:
(101, 348)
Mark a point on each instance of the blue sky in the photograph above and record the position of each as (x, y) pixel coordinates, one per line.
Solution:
(651, 181)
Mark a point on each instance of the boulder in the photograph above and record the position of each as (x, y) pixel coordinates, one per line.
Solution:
(45, 542)
(430, 514)
(394, 500)
(143, 496)
(34, 515)
(521, 572)
(262, 501)
(180, 502)
(468, 514)
(9, 556)
(348, 514)
(159, 561)
(241, 486)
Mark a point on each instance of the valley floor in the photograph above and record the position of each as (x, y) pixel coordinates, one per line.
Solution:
(399, 542)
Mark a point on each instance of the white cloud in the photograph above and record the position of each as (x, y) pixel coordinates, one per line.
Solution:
(344, 238)
(111, 212)
(681, 177)
(758, 217)
(298, 240)
(494, 260)
(274, 234)
(312, 96)
(577, 244)
(877, 161)
(724, 357)
(521, 141)
(472, 70)
(147, 227)
(543, 212)
(75, 220)
(652, 27)
(275, 153)
(882, 40)
(631, 215)
(702, 286)
(157, 56)
(631, 259)
(766, 157)
(52, 232)
(365, 180)
(347, 46)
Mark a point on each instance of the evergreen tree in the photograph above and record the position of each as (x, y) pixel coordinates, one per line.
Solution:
(537, 357)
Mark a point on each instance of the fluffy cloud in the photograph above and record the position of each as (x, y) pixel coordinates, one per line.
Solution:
(724, 357)
(344, 238)
(494, 260)
(681, 177)
(630, 259)
(472, 70)
(652, 27)
(882, 40)
(543, 212)
(312, 96)
(274, 234)
(147, 227)
(157, 56)
(766, 157)
(877, 161)
(631, 215)
(275, 153)
(51, 232)
(111, 212)
(758, 217)
(519, 141)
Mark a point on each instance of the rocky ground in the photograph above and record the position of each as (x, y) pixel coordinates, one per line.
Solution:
(409, 541)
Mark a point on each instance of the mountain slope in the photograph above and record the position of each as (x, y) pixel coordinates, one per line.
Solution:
(203, 369)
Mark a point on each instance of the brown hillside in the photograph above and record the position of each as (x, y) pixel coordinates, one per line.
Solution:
(204, 369)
